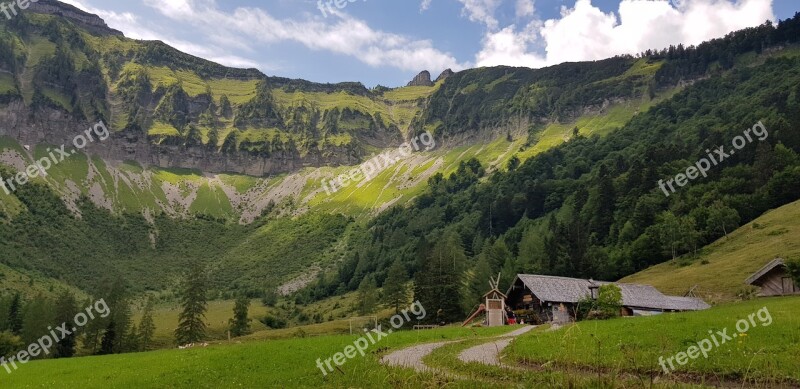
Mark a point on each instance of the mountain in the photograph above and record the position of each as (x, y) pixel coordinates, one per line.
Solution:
(186, 130)
(551, 170)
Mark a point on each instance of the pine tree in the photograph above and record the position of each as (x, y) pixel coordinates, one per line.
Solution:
(240, 324)
(367, 295)
(437, 285)
(15, 315)
(477, 284)
(132, 342)
(66, 308)
(109, 339)
(497, 254)
(395, 292)
(37, 317)
(191, 325)
(147, 327)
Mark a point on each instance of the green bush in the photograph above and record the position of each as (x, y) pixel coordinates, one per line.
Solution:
(9, 343)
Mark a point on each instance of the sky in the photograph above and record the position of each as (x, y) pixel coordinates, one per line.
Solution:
(388, 42)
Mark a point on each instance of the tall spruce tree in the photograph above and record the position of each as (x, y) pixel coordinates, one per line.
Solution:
(15, 315)
(119, 304)
(38, 315)
(240, 323)
(438, 283)
(395, 291)
(191, 324)
(147, 327)
(367, 295)
(107, 345)
(66, 308)
(477, 284)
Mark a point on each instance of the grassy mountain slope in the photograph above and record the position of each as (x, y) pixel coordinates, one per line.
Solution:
(720, 268)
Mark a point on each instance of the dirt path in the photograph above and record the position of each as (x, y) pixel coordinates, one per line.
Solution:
(489, 353)
(412, 356)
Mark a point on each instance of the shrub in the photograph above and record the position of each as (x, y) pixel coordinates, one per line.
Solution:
(607, 305)
(273, 322)
(793, 267)
(9, 343)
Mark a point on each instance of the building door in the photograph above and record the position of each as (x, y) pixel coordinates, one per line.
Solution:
(788, 285)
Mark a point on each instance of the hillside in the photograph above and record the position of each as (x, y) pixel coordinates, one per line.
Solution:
(719, 269)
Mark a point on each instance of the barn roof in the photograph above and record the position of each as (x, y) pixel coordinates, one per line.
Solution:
(764, 270)
(572, 290)
(556, 289)
(687, 303)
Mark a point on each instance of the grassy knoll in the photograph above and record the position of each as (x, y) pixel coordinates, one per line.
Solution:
(721, 268)
(764, 355)
(287, 363)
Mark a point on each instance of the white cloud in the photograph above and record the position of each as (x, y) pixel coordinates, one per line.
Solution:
(585, 32)
(525, 8)
(506, 47)
(339, 33)
(134, 28)
(481, 11)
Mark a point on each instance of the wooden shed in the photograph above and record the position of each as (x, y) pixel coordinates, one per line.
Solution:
(774, 280)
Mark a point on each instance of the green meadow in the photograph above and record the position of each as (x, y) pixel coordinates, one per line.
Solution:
(615, 353)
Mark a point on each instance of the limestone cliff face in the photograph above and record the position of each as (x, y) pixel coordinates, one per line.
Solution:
(54, 127)
(90, 22)
(422, 79)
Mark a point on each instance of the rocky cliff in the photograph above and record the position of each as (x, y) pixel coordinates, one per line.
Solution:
(421, 79)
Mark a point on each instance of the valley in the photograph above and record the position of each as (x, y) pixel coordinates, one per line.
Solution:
(224, 222)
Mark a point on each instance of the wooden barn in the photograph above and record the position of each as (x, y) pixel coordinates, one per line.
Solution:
(773, 280)
(554, 299)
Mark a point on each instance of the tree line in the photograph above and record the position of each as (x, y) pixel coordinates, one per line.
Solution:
(24, 321)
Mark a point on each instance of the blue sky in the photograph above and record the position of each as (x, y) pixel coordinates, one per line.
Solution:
(387, 42)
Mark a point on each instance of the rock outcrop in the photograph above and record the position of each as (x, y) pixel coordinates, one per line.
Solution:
(444, 75)
(90, 22)
(422, 79)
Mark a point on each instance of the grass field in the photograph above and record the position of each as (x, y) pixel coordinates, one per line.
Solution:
(616, 353)
(742, 253)
(289, 363)
(768, 355)
(335, 312)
